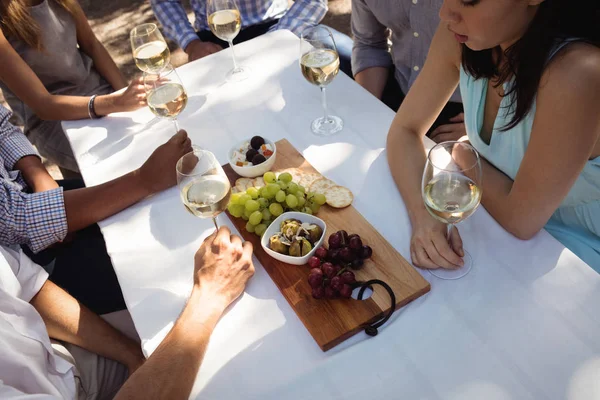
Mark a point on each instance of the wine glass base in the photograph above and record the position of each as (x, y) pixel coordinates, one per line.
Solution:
(238, 74)
(327, 126)
(453, 274)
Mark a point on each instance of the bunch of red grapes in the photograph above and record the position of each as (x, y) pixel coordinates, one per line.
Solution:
(330, 276)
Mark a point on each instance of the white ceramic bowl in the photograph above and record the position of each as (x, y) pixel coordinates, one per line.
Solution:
(274, 228)
(254, 170)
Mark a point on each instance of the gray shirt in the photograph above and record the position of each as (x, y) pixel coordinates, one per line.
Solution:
(412, 24)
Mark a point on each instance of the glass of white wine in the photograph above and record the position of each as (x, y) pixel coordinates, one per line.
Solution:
(320, 63)
(150, 51)
(451, 190)
(225, 22)
(165, 93)
(204, 188)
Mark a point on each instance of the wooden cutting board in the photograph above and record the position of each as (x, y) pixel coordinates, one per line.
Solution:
(330, 322)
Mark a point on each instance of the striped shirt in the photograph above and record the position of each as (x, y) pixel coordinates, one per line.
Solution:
(412, 25)
(301, 15)
(35, 219)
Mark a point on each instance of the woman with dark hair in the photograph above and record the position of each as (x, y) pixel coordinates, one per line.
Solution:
(529, 74)
(53, 68)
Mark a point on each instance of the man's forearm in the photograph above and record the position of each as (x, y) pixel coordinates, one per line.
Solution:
(373, 79)
(35, 174)
(71, 322)
(90, 205)
(171, 370)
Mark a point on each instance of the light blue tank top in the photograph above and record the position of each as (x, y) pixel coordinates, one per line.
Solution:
(576, 222)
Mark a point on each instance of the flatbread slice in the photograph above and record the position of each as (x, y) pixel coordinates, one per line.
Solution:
(321, 186)
(308, 178)
(258, 182)
(339, 196)
(243, 183)
(295, 172)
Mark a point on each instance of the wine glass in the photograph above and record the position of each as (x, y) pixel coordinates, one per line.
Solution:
(320, 63)
(204, 188)
(451, 190)
(225, 22)
(150, 51)
(165, 93)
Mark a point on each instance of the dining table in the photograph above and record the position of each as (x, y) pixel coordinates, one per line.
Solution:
(523, 324)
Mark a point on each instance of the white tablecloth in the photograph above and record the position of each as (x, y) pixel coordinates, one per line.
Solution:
(524, 324)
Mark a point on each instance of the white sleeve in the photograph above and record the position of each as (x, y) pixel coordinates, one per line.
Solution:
(10, 393)
(27, 277)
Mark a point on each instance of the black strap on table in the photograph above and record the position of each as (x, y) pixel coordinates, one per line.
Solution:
(371, 329)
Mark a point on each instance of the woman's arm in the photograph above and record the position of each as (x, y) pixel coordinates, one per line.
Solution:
(25, 84)
(90, 45)
(565, 135)
(406, 154)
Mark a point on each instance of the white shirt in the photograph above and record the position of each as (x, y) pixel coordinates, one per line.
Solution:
(28, 365)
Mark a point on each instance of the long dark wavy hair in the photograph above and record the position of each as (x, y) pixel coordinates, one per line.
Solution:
(525, 61)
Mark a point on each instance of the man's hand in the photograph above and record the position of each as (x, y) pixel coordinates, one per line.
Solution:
(450, 132)
(198, 49)
(158, 172)
(222, 266)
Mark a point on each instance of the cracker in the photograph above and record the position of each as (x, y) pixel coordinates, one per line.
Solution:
(308, 178)
(235, 190)
(321, 186)
(339, 196)
(295, 172)
(243, 183)
(258, 182)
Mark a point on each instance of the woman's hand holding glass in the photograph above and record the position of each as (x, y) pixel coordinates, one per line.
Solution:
(451, 190)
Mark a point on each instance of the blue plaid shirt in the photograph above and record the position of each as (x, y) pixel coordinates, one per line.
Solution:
(35, 219)
(301, 15)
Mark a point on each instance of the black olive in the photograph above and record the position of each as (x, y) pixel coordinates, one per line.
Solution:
(256, 142)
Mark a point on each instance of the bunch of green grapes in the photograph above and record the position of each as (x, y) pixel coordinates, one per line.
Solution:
(261, 206)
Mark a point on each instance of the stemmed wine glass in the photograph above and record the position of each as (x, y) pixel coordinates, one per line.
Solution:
(451, 190)
(320, 63)
(204, 188)
(150, 51)
(165, 93)
(225, 22)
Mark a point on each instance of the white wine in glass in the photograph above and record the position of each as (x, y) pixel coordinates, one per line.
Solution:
(204, 188)
(150, 51)
(165, 94)
(451, 190)
(320, 64)
(225, 22)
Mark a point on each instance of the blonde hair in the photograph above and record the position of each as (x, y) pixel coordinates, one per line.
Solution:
(17, 22)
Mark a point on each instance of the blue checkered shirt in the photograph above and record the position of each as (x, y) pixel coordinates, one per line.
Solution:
(35, 219)
(301, 15)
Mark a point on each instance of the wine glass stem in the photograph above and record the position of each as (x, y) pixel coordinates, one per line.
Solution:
(235, 67)
(176, 124)
(215, 222)
(449, 232)
(324, 102)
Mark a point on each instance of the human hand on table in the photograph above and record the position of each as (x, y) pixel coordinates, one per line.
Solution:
(198, 49)
(130, 99)
(222, 267)
(158, 172)
(429, 247)
(450, 132)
